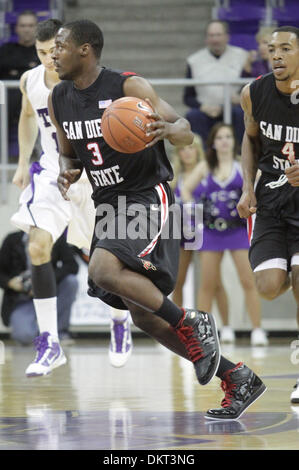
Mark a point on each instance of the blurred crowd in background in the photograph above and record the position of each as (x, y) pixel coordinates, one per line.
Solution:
(206, 172)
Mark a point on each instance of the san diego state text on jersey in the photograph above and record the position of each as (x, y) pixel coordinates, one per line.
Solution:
(277, 116)
(79, 114)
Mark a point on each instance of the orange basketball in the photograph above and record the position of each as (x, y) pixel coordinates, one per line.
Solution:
(124, 123)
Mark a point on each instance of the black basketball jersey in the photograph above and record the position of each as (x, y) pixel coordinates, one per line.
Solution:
(79, 113)
(278, 118)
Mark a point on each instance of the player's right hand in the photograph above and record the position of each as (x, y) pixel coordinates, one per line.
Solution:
(247, 204)
(21, 177)
(292, 174)
(65, 179)
(16, 284)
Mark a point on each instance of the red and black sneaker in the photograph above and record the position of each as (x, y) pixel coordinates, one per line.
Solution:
(198, 332)
(242, 387)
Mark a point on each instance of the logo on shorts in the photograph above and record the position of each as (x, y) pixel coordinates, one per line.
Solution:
(148, 265)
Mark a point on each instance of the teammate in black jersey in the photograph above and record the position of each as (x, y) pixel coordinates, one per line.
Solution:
(271, 143)
(136, 274)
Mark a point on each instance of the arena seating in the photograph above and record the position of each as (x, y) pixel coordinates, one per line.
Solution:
(10, 9)
(21, 5)
(287, 13)
(245, 19)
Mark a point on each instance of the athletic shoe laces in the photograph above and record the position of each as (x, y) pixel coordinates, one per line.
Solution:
(228, 386)
(229, 394)
(186, 336)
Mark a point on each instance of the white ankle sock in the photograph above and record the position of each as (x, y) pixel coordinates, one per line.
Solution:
(46, 314)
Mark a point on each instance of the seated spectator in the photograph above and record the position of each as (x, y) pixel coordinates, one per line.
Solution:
(257, 63)
(15, 59)
(217, 61)
(17, 306)
(184, 161)
(221, 178)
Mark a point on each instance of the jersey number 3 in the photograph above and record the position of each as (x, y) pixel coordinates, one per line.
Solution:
(97, 156)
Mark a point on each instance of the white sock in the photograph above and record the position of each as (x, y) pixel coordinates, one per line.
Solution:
(119, 315)
(46, 314)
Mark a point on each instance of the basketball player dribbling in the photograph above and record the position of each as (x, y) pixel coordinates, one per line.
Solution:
(43, 212)
(125, 273)
(271, 143)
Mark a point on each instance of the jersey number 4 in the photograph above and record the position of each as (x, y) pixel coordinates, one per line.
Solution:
(289, 151)
(97, 156)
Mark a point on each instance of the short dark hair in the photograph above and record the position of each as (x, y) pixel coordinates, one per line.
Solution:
(27, 13)
(85, 31)
(223, 23)
(287, 29)
(47, 29)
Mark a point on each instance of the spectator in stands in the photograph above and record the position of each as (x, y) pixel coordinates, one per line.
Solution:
(217, 61)
(184, 161)
(224, 230)
(17, 306)
(15, 59)
(258, 63)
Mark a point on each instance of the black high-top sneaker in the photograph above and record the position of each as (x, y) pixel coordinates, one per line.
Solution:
(198, 332)
(242, 387)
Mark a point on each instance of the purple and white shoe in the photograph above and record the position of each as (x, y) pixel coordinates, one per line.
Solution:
(120, 342)
(49, 356)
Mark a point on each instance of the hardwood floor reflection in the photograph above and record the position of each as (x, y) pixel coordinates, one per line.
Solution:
(154, 402)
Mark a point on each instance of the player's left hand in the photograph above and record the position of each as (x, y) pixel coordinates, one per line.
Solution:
(292, 174)
(65, 179)
(159, 129)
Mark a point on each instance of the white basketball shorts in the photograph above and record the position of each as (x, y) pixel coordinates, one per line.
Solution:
(42, 206)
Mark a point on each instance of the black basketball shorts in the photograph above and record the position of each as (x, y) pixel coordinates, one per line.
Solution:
(143, 231)
(275, 227)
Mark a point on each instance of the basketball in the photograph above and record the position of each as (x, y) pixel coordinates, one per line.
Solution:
(124, 123)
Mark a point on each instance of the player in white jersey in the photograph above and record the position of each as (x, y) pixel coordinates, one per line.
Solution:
(44, 214)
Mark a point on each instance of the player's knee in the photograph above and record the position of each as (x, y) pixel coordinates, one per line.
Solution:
(40, 246)
(269, 289)
(39, 251)
(104, 277)
(104, 270)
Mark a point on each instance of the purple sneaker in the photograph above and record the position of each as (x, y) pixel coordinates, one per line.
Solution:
(120, 342)
(49, 356)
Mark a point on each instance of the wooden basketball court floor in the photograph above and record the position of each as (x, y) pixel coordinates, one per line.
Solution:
(154, 402)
